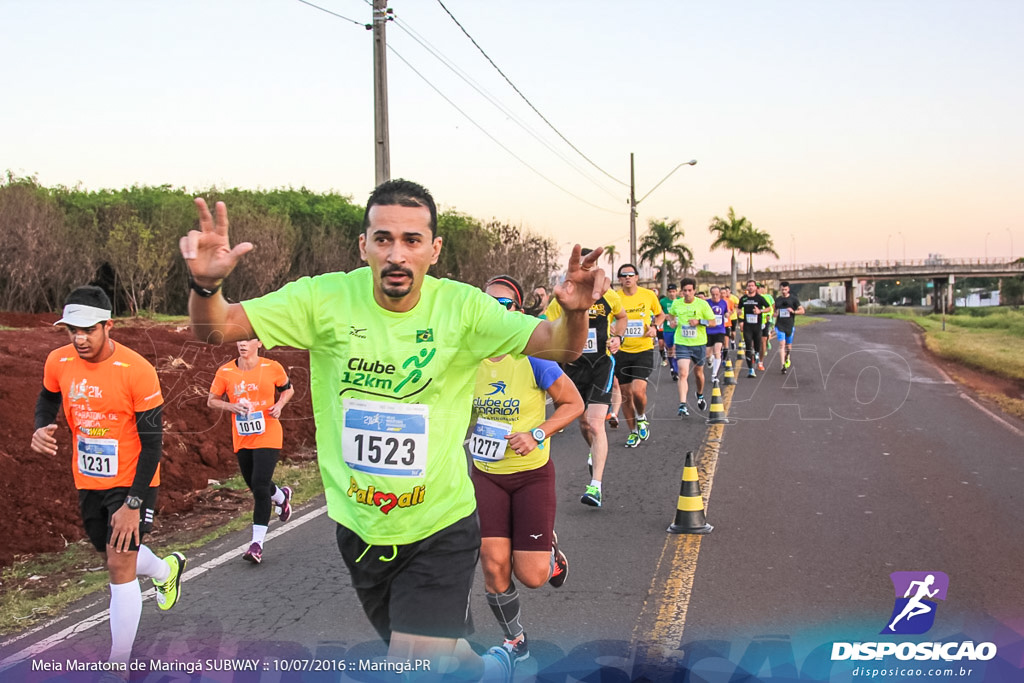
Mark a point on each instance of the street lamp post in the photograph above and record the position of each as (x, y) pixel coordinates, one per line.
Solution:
(903, 237)
(634, 202)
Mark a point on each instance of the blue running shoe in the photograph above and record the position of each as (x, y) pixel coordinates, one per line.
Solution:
(503, 658)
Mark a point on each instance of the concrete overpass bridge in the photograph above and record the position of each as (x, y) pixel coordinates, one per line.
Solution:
(942, 271)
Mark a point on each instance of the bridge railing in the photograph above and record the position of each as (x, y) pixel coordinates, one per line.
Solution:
(963, 267)
(896, 263)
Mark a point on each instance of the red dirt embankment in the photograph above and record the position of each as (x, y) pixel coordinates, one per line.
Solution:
(39, 504)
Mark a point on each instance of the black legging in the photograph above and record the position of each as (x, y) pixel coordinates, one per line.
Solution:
(257, 466)
(752, 341)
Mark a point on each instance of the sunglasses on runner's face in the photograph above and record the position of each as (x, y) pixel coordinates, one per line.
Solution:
(627, 274)
(506, 302)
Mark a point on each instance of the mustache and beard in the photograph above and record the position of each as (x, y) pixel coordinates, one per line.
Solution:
(396, 291)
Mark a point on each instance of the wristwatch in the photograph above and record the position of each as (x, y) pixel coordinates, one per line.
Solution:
(538, 435)
(200, 290)
(133, 502)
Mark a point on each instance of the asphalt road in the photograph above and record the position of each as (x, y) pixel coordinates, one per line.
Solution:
(864, 460)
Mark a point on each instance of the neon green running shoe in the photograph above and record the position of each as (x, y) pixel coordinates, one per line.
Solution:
(633, 440)
(168, 591)
(592, 496)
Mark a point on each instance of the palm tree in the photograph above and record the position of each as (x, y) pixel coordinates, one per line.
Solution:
(753, 241)
(664, 239)
(728, 234)
(610, 253)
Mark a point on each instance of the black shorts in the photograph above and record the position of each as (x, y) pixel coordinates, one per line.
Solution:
(97, 507)
(631, 366)
(592, 374)
(716, 339)
(519, 506)
(421, 588)
(752, 337)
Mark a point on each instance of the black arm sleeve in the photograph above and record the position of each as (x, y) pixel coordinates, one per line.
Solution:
(47, 406)
(286, 385)
(150, 424)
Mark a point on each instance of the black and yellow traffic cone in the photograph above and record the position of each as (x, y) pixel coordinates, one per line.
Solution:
(690, 508)
(740, 355)
(729, 379)
(716, 413)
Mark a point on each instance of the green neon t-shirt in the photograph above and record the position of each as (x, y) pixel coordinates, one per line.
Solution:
(392, 394)
(684, 312)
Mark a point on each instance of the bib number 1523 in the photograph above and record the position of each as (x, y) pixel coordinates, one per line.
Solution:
(387, 439)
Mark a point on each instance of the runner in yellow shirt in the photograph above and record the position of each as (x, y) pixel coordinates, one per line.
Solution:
(634, 361)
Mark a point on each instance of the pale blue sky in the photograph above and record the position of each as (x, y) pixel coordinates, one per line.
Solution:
(847, 129)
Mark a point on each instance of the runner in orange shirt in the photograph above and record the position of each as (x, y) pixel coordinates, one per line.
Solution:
(249, 384)
(113, 406)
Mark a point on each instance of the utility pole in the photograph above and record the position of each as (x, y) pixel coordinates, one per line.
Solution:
(632, 213)
(633, 201)
(382, 147)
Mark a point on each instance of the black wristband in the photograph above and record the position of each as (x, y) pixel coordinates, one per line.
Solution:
(202, 291)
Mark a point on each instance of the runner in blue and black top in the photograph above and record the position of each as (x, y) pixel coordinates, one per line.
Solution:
(751, 306)
(717, 332)
(592, 374)
(786, 307)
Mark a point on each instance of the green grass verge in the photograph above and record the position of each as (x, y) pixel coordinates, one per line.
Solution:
(804, 320)
(40, 587)
(985, 341)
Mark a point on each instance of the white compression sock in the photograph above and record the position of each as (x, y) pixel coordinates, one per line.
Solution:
(150, 565)
(278, 496)
(259, 532)
(715, 364)
(125, 612)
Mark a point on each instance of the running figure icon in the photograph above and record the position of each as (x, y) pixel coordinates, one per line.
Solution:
(915, 607)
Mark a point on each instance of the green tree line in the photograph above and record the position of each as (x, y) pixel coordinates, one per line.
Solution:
(126, 241)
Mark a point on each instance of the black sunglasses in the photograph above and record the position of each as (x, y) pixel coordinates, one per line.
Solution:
(627, 274)
(506, 302)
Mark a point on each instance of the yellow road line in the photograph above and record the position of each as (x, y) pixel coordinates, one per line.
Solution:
(670, 599)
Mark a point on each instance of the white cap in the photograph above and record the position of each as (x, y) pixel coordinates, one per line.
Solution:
(80, 315)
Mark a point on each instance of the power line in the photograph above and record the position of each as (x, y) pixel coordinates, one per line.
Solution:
(467, 116)
(494, 139)
(425, 44)
(525, 99)
(335, 14)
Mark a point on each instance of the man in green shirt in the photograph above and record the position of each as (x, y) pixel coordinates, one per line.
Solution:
(766, 323)
(690, 316)
(393, 356)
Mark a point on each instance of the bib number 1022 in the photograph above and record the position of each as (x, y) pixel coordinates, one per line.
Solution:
(389, 450)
